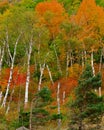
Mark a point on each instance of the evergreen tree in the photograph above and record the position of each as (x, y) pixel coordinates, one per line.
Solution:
(40, 115)
(87, 105)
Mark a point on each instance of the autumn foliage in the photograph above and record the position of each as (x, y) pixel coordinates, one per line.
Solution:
(52, 14)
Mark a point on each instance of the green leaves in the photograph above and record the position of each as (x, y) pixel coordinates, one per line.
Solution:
(45, 94)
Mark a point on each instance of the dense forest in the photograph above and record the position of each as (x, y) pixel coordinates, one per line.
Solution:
(52, 64)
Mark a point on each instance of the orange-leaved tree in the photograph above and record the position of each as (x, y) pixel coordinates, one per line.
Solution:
(89, 19)
(52, 14)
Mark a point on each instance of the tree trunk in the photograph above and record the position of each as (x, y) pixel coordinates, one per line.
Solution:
(11, 72)
(64, 97)
(92, 63)
(67, 64)
(28, 73)
(41, 74)
(30, 120)
(58, 104)
(1, 94)
(11, 95)
(50, 75)
(80, 125)
(58, 62)
(1, 59)
(82, 60)
(85, 57)
(7, 45)
(71, 59)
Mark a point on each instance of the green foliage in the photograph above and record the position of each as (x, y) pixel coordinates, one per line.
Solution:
(45, 94)
(24, 118)
(100, 2)
(71, 6)
(87, 105)
(3, 7)
(40, 114)
(57, 116)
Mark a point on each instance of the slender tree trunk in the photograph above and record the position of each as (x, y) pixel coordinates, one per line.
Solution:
(64, 97)
(101, 59)
(100, 67)
(92, 63)
(11, 73)
(50, 75)
(41, 74)
(58, 62)
(82, 60)
(1, 59)
(7, 45)
(11, 95)
(67, 64)
(71, 59)
(30, 120)
(28, 73)
(58, 105)
(1, 94)
(80, 125)
(85, 56)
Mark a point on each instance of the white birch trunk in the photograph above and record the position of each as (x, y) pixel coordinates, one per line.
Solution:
(11, 95)
(50, 75)
(11, 73)
(28, 73)
(1, 59)
(100, 94)
(58, 62)
(58, 104)
(1, 96)
(85, 57)
(41, 74)
(64, 97)
(82, 60)
(92, 63)
(7, 45)
(67, 64)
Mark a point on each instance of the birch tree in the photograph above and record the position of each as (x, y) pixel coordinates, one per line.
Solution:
(28, 71)
(11, 20)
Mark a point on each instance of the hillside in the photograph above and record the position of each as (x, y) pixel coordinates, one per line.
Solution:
(45, 49)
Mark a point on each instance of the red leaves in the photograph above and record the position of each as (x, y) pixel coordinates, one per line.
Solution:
(19, 78)
(66, 85)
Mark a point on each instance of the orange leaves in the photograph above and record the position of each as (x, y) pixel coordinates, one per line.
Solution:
(66, 85)
(90, 18)
(53, 7)
(52, 14)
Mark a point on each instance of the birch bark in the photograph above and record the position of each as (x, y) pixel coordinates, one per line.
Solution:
(1, 58)
(50, 75)
(58, 62)
(58, 104)
(28, 73)
(11, 73)
(41, 74)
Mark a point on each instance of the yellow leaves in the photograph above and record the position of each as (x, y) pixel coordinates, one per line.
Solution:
(75, 70)
(12, 116)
